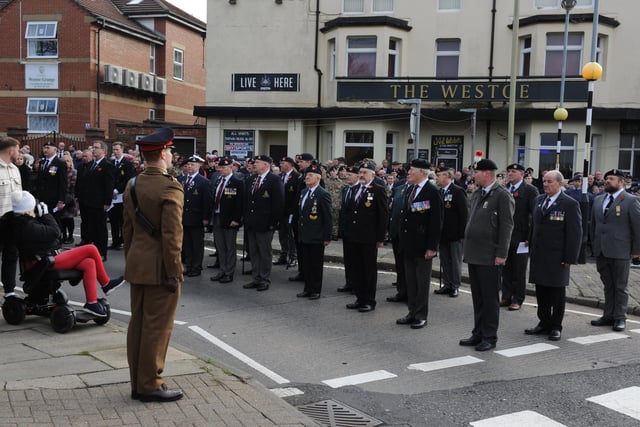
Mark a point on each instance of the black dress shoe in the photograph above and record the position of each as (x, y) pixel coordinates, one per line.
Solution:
(537, 330)
(454, 293)
(115, 247)
(214, 254)
(365, 308)
(163, 394)
(418, 324)
(345, 288)
(555, 335)
(217, 277)
(314, 295)
(485, 346)
(445, 290)
(406, 320)
(297, 278)
(194, 274)
(619, 325)
(262, 287)
(471, 341)
(213, 265)
(251, 285)
(104, 258)
(226, 279)
(354, 305)
(135, 395)
(303, 294)
(280, 262)
(397, 298)
(602, 321)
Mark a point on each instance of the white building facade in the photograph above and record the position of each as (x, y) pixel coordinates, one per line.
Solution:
(325, 76)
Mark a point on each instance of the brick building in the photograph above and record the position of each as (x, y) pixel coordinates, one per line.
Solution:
(68, 65)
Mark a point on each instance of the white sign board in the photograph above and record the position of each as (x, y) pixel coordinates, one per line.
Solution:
(41, 76)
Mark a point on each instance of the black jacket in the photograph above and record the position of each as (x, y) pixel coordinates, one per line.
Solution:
(231, 202)
(264, 207)
(31, 236)
(456, 213)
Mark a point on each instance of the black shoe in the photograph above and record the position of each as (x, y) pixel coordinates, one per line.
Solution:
(262, 287)
(619, 325)
(115, 247)
(314, 296)
(217, 277)
(445, 290)
(213, 254)
(485, 345)
(293, 263)
(68, 241)
(418, 324)
(216, 265)
(104, 258)
(406, 320)
(397, 298)
(555, 335)
(538, 330)
(297, 278)
(113, 285)
(163, 394)
(304, 294)
(194, 273)
(345, 288)
(81, 243)
(280, 262)
(365, 308)
(471, 341)
(251, 285)
(226, 279)
(603, 321)
(354, 305)
(135, 395)
(454, 293)
(95, 308)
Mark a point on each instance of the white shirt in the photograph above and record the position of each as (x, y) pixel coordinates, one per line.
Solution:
(307, 195)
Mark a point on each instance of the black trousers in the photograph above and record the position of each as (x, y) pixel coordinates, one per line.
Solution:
(551, 302)
(116, 219)
(485, 288)
(364, 270)
(95, 227)
(418, 273)
(312, 269)
(401, 279)
(514, 280)
(193, 247)
(9, 267)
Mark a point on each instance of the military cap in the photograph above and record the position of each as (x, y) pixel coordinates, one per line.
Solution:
(49, 144)
(211, 157)
(615, 172)
(225, 161)
(288, 160)
(157, 140)
(420, 164)
(264, 158)
(313, 169)
(195, 159)
(250, 161)
(396, 163)
(352, 169)
(486, 165)
(445, 169)
(367, 165)
(305, 156)
(516, 166)
(576, 177)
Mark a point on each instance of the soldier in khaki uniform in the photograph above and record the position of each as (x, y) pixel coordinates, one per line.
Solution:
(153, 267)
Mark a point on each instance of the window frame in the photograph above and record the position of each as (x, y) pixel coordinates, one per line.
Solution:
(33, 40)
(559, 48)
(525, 56)
(393, 53)
(50, 112)
(374, 2)
(448, 54)
(344, 11)
(442, 8)
(332, 59)
(361, 51)
(152, 58)
(551, 140)
(178, 63)
(369, 146)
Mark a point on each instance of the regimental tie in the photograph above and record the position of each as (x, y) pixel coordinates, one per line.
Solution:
(46, 165)
(546, 204)
(513, 189)
(221, 186)
(609, 202)
(256, 184)
(412, 195)
(187, 182)
(360, 192)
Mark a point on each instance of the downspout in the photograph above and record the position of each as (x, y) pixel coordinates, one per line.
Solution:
(98, 77)
(319, 73)
(491, 56)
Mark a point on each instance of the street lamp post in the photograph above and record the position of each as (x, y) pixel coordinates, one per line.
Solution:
(474, 115)
(414, 123)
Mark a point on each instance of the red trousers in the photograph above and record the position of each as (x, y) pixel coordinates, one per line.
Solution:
(88, 260)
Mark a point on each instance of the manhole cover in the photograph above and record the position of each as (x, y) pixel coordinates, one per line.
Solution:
(335, 414)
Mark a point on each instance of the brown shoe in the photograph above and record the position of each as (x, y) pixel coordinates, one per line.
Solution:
(505, 303)
(514, 306)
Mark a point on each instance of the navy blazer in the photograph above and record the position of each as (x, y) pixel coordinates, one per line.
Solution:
(367, 219)
(456, 214)
(264, 207)
(51, 184)
(231, 202)
(421, 221)
(198, 200)
(123, 173)
(314, 219)
(95, 186)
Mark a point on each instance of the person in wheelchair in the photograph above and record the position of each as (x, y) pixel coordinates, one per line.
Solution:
(36, 234)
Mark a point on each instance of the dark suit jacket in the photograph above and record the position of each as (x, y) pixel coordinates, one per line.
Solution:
(264, 208)
(95, 187)
(51, 184)
(616, 234)
(123, 173)
(366, 221)
(231, 202)
(198, 200)
(314, 219)
(456, 213)
(525, 198)
(421, 221)
(342, 215)
(398, 204)
(556, 237)
(291, 195)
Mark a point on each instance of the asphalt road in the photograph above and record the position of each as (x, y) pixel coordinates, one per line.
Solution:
(402, 376)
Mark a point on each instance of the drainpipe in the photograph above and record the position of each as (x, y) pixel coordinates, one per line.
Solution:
(491, 56)
(319, 73)
(98, 78)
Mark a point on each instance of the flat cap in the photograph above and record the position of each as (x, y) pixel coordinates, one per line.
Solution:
(516, 166)
(157, 140)
(486, 165)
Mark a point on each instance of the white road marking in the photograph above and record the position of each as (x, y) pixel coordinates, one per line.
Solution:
(239, 355)
(592, 339)
(521, 419)
(366, 377)
(624, 401)
(526, 349)
(286, 392)
(446, 363)
(125, 313)
(637, 331)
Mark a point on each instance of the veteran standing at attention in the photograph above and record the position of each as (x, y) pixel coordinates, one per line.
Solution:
(486, 245)
(152, 243)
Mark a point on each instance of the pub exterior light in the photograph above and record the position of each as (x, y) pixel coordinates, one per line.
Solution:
(591, 71)
(560, 114)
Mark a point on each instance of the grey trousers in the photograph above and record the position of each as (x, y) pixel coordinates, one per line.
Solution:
(260, 253)
(225, 239)
(614, 274)
(418, 279)
(451, 262)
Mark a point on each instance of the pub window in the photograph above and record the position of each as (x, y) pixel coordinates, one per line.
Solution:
(382, 6)
(358, 145)
(361, 56)
(332, 59)
(601, 44)
(42, 115)
(525, 56)
(449, 5)
(353, 6)
(42, 41)
(553, 57)
(178, 64)
(548, 143)
(394, 56)
(390, 147)
(152, 58)
(447, 58)
(629, 154)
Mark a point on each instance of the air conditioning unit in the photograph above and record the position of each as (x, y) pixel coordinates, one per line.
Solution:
(113, 74)
(131, 79)
(146, 82)
(161, 85)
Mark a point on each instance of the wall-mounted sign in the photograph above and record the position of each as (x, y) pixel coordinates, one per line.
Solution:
(460, 91)
(447, 150)
(41, 76)
(265, 82)
(423, 153)
(239, 143)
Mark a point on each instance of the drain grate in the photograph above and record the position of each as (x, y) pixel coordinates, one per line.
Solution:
(332, 413)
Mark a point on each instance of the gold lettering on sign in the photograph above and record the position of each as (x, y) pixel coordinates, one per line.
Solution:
(449, 91)
(410, 91)
(395, 88)
(524, 91)
(466, 89)
(479, 92)
(424, 91)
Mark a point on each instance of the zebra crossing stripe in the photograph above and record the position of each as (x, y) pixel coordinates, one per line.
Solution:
(526, 349)
(624, 401)
(521, 419)
(446, 363)
(366, 377)
(592, 339)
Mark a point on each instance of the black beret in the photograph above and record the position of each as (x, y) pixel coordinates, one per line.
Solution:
(615, 172)
(49, 144)
(305, 156)
(264, 158)
(516, 166)
(288, 160)
(157, 140)
(576, 178)
(486, 165)
(225, 161)
(367, 165)
(396, 163)
(420, 164)
(312, 169)
(351, 169)
(445, 169)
